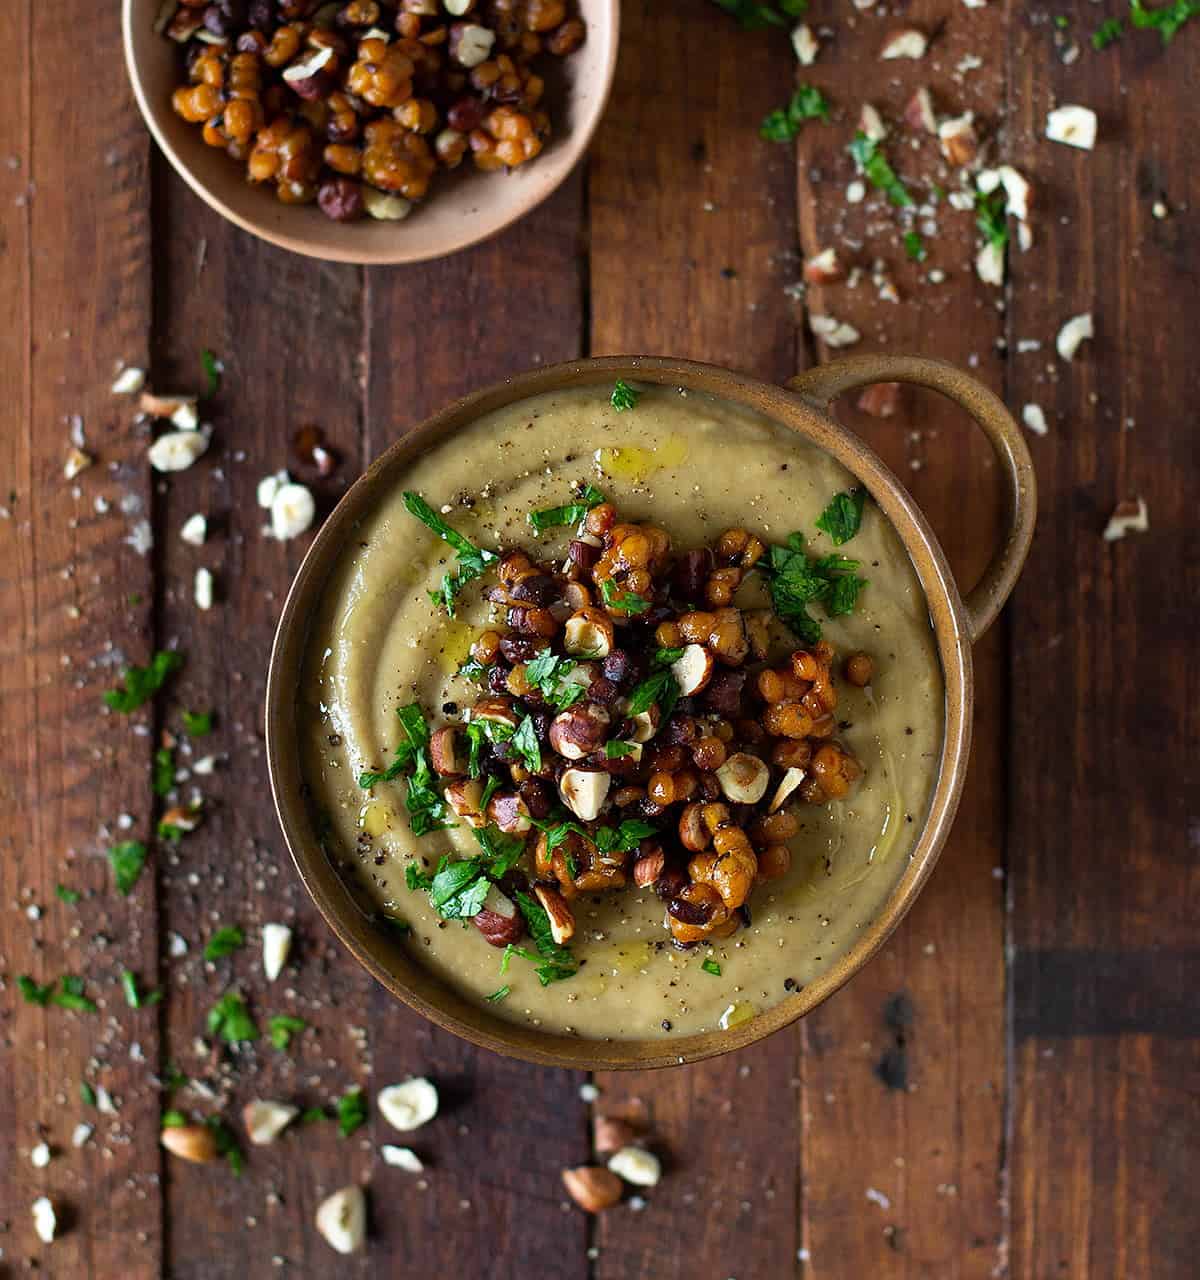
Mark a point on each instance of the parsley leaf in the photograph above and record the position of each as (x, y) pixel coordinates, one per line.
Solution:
(212, 371)
(570, 513)
(625, 838)
(69, 896)
(784, 123)
(498, 995)
(659, 688)
(127, 860)
(547, 673)
(197, 723)
(625, 601)
(557, 961)
(877, 171)
(412, 721)
(914, 247)
(1108, 32)
(473, 561)
(796, 581)
(142, 683)
(664, 657)
(172, 1119)
(1167, 19)
(501, 852)
(31, 993)
(473, 670)
(709, 965)
(842, 518)
(990, 217)
(163, 777)
(458, 889)
(134, 997)
(525, 744)
(224, 942)
(227, 1144)
(351, 1111)
(616, 750)
(416, 877)
(71, 996)
(230, 1019)
(624, 396)
(282, 1026)
(754, 14)
(427, 811)
(87, 1095)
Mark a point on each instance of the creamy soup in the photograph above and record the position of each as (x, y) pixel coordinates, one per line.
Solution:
(694, 466)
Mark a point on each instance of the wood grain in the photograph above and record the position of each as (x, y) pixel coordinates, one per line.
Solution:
(1106, 1107)
(692, 247)
(495, 1204)
(79, 599)
(906, 1180)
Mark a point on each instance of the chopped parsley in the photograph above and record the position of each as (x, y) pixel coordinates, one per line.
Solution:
(282, 1026)
(525, 744)
(212, 371)
(1108, 32)
(197, 723)
(170, 832)
(990, 217)
(914, 247)
(877, 171)
(224, 942)
(709, 965)
(570, 513)
(558, 963)
(427, 811)
(71, 996)
(472, 563)
(795, 581)
(230, 1019)
(1167, 19)
(473, 670)
(624, 396)
(501, 852)
(310, 1115)
(547, 673)
(135, 998)
(417, 878)
(31, 993)
(142, 683)
(660, 688)
(412, 721)
(616, 750)
(163, 777)
(458, 889)
(172, 1119)
(625, 601)
(842, 518)
(620, 839)
(69, 896)
(664, 657)
(499, 994)
(490, 787)
(351, 1111)
(753, 14)
(127, 860)
(784, 123)
(87, 1095)
(227, 1144)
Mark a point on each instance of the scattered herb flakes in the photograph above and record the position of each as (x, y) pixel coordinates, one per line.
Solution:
(616, 750)
(71, 996)
(135, 998)
(501, 852)
(197, 723)
(990, 217)
(162, 779)
(570, 513)
(664, 657)
(558, 963)
(472, 561)
(224, 942)
(416, 877)
(625, 601)
(230, 1019)
(624, 396)
(473, 670)
(547, 672)
(227, 1144)
(212, 371)
(282, 1026)
(660, 688)
(31, 993)
(842, 518)
(754, 14)
(914, 247)
(172, 1119)
(1108, 32)
(877, 171)
(170, 832)
(1166, 19)
(525, 744)
(412, 721)
(310, 1115)
(709, 965)
(351, 1111)
(127, 860)
(795, 581)
(140, 684)
(784, 123)
(458, 889)
(499, 994)
(87, 1095)
(69, 896)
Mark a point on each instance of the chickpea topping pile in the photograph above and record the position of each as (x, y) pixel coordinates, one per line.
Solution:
(631, 730)
(358, 106)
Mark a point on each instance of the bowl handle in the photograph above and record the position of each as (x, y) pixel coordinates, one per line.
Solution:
(821, 385)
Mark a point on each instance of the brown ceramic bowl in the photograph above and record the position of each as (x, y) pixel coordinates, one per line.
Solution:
(804, 408)
(462, 209)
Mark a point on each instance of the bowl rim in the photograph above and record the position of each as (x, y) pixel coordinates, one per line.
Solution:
(387, 960)
(579, 139)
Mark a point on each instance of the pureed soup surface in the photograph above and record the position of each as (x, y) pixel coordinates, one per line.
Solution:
(695, 466)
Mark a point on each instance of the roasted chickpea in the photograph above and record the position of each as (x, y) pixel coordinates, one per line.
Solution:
(696, 627)
(792, 754)
(860, 667)
(787, 720)
(695, 913)
(708, 753)
(667, 635)
(779, 686)
(775, 828)
(486, 647)
(835, 769)
(774, 861)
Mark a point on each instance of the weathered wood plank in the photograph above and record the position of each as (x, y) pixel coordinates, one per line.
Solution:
(1105, 876)
(907, 1180)
(76, 299)
(289, 333)
(692, 245)
(494, 1201)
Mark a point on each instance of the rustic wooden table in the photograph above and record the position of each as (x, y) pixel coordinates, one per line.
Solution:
(1051, 1119)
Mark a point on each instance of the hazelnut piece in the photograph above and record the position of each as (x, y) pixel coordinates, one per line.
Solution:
(589, 632)
(444, 752)
(562, 918)
(693, 669)
(592, 1188)
(579, 730)
(743, 778)
(584, 791)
